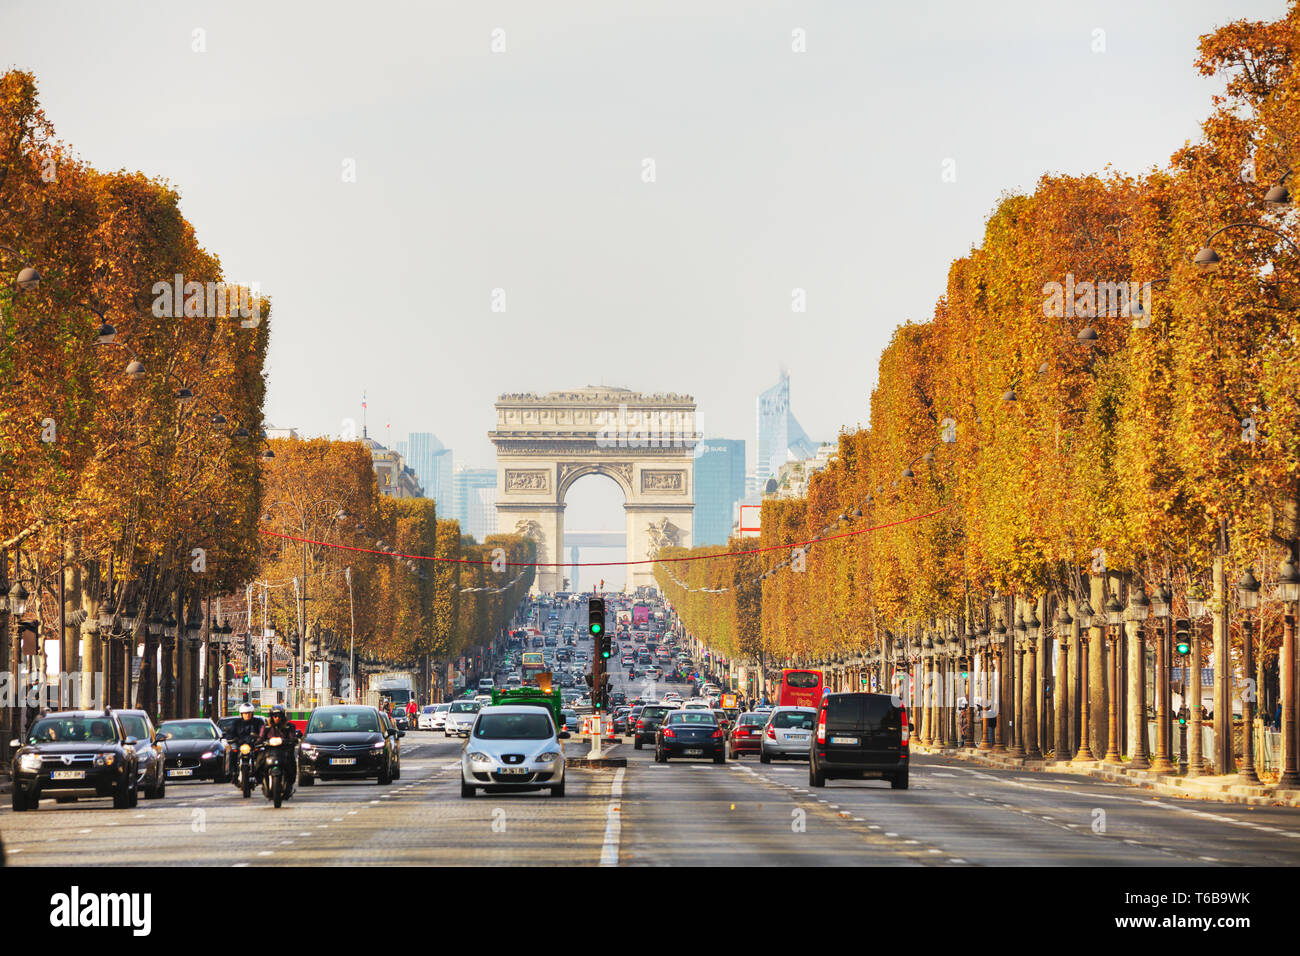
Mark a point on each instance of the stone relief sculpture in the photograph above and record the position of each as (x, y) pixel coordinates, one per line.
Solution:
(663, 534)
(662, 480)
(528, 481)
(529, 529)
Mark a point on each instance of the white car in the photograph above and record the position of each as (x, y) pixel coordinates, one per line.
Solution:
(513, 748)
(696, 703)
(460, 717)
(433, 717)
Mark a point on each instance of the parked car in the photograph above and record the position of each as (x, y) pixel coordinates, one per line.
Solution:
(860, 735)
(195, 749)
(437, 716)
(461, 717)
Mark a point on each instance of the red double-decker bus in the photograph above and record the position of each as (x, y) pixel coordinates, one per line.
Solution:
(800, 688)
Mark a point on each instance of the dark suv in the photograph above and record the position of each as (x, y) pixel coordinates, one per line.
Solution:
(647, 723)
(74, 754)
(860, 735)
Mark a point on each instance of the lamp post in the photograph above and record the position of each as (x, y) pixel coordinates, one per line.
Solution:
(1060, 687)
(1114, 613)
(1247, 601)
(1083, 614)
(986, 721)
(1197, 607)
(1033, 627)
(1138, 610)
(999, 638)
(1018, 686)
(1162, 610)
(1288, 592)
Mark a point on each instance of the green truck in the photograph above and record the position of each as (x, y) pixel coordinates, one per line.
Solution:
(552, 700)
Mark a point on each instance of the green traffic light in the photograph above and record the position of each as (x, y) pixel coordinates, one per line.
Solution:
(1184, 647)
(595, 628)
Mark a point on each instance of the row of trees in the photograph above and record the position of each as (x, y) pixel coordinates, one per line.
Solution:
(1056, 436)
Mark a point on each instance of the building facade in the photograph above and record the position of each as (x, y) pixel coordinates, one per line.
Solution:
(780, 436)
(432, 463)
(719, 484)
(474, 501)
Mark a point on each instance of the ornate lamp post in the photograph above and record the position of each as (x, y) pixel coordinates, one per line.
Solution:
(1018, 686)
(1060, 685)
(1033, 627)
(999, 638)
(1247, 601)
(1288, 592)
(1083, 614)
(1114, 612)
(1197, 607)
(1138, 610)
(985, 712)
(1162, 610)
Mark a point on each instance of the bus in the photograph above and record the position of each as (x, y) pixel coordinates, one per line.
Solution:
(640, 616)
(800, 688)
(531, 664)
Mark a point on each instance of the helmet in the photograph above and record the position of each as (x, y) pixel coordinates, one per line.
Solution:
(277, 714)
(245, 710)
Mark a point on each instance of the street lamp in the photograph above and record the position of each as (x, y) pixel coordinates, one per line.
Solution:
(1248, 600)
(29, 280)
(1288, 591)
(18, 599)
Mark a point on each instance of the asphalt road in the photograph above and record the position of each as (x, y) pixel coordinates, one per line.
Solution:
(683, 812)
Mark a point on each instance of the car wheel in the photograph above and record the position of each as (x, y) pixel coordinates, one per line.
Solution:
(899, 781)
(763, 757)
(637, 744)
(558, 789)
(19, 800)
(816, 778)
(385, 776)
(121, 797)
(304, 780)
(397, 771)
(159, 791)
(720, 757)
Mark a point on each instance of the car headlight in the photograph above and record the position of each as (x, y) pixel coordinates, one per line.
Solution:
(548, 757)
(479, 758)
(309, 749)
(377, 745)
(30, 762)
(209, 755)
(104, 760)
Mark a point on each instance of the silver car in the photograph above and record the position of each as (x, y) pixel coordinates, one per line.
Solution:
(513, 747)
(788, 733)
(460, 718)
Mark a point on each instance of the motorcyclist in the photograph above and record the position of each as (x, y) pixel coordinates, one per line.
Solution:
(278, 725)
(246, 730)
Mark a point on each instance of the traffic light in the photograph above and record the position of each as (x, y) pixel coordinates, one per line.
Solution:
(1182, 715)
(596, 617)
(1182, 630)
(247, 680)
(963, 664)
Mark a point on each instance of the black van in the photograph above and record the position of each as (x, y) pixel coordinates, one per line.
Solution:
(859, 735)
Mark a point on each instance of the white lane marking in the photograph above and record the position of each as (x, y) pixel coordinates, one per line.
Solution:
(265, 852)
(613, 821)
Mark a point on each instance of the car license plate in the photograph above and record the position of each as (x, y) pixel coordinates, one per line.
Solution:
(844, 740)
(180, 773)
(514, 770)
(695, 752)
(68, 775)
(342, 761)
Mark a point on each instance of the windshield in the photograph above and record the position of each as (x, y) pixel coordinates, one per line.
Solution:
(514, 727)
(190, 730)
(803, 679)
(465, 707)
(90, 730)
(134, 726)
(343, 722)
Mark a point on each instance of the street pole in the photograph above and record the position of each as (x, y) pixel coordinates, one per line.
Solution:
(1289, 778)
(1192, 700)
(1248, 773)
(352, 640)
(1084, 752)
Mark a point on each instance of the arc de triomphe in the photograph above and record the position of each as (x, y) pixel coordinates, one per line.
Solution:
(645, 443)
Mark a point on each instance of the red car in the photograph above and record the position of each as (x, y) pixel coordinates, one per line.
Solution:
(746, 735)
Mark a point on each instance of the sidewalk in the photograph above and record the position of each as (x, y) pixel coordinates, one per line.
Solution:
(1225, 789)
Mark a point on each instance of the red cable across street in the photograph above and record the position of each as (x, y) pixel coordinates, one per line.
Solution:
(605, 564)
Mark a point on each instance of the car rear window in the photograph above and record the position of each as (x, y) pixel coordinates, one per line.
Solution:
(869, 711)
(656, 711)
(788, 719)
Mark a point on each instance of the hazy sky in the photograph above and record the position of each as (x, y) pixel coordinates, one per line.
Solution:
(523, 171)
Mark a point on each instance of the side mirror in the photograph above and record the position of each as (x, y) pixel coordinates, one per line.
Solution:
(401, 733)
(161, 737)
(132, 741)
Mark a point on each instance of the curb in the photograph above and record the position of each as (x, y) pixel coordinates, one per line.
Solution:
(1223, 790)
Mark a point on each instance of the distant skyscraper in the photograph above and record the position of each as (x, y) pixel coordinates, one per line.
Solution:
(719, 484)
(432, 462)
(780, 437)
(474, 501)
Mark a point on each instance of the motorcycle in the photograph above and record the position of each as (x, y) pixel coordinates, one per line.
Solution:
(245, 776)
(275, 784)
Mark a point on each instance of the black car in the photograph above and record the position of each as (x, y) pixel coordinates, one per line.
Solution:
(348, 742)
(690, 733)
(196, 750)
(617, 699)
(859, 736)
(151, 779)
(75, 754)
(647, 722)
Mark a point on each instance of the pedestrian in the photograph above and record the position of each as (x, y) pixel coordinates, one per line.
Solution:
(963, 723)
